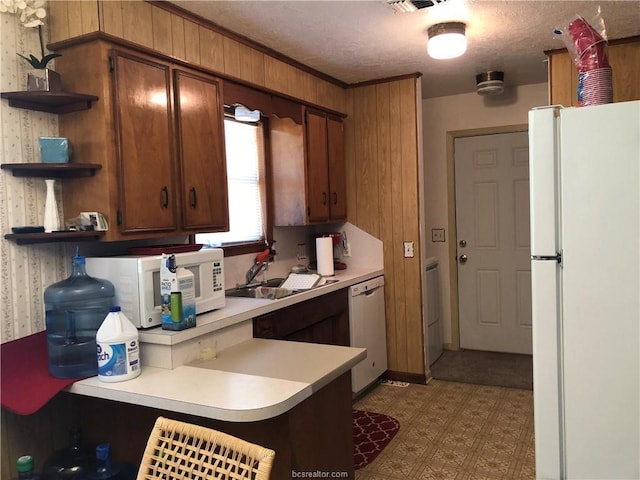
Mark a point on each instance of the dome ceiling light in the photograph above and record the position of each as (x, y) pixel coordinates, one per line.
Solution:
(446, 40)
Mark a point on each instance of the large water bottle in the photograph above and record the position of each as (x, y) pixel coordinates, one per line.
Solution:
(75, 308)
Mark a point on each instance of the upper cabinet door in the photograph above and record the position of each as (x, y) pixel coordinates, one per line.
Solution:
(317, 167)
(201, 152)
(337, 182)
(146, 177)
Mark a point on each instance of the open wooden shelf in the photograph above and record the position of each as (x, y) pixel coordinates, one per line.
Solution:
(64, 236)
(52, 170)
(50, 102)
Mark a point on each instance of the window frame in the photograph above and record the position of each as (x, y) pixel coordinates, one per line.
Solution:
(256, 246)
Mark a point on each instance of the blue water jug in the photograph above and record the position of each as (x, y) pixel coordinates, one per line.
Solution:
(74, 309)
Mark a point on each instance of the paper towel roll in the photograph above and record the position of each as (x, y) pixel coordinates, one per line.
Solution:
(324, 255)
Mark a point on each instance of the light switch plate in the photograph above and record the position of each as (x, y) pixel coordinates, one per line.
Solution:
(408, 249)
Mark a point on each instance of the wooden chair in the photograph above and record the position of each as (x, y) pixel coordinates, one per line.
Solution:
(177, 450)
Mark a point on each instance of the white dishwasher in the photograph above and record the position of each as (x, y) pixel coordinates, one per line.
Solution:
(368, 330)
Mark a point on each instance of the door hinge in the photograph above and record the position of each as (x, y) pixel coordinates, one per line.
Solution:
(119, 217)
(112, 64)
(308, 211)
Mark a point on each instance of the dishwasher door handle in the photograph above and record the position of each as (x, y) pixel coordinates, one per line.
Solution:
(372, 291)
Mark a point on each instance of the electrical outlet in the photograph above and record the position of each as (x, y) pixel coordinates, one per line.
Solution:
(437, 234)
(408, 249)
(346, 249)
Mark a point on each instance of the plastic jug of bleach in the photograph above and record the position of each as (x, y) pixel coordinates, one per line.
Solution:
(118, 348)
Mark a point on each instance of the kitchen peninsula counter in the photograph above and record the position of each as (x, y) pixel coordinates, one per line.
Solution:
(254, 380)
(292, 397)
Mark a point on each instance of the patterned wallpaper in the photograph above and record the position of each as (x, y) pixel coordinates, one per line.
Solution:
(25, 271)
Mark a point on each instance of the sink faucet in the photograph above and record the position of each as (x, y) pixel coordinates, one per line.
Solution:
(261, 263)
(255, 270)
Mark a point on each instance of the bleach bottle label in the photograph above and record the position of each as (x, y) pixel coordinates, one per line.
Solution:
(118, 359)
(118, 348)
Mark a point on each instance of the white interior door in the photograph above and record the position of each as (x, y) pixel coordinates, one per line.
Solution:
(492, 221)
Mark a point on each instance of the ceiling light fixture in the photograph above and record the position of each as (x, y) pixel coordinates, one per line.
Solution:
(446, 40)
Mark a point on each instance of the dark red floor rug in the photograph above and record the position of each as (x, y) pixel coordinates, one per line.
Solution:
(371, 433)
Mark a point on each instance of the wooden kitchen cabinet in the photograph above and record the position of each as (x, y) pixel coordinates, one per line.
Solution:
(203, 167)
(159, 137)
(308, 169)
(323, 319)
(624, 58)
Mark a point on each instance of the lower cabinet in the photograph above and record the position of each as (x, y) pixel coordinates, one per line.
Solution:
(323, 319)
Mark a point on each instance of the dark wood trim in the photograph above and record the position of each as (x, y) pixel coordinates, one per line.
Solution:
(54, 237)
(419, 378)
(173, 8)
(52, 170)
(117, 41)
(50, 102)
(617, 41)
(385, 80)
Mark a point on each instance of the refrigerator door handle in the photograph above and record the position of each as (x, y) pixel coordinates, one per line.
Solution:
(557, 257)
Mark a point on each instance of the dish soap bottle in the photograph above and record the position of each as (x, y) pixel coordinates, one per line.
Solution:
(118, 348)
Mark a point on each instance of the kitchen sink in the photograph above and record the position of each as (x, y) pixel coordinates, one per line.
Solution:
(269, 289)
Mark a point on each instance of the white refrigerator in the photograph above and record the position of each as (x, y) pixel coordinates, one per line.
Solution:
(585, 274)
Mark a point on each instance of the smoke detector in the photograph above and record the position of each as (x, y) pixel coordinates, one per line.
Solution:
(490, 83)
(408, 6)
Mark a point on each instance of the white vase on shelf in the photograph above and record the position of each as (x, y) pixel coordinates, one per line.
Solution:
(51, 219)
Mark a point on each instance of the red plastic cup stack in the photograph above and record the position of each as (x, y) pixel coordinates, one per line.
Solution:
(594, 71)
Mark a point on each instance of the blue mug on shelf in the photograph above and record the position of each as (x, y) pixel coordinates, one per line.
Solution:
(54, 149)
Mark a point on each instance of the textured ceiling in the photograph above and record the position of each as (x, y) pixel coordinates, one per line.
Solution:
(356, 41)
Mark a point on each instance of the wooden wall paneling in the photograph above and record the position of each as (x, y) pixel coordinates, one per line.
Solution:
(137, 23)
(625, 64)
(563, 92)
(243, 62)
(191, 41)
(275, 74)
(38, 434)
(385, 175)
(178, 47)
(308, 90)
(111, 18)
(58, 23)
(90, 18)
(232, 61)
(252, 65)
(211, 49)
(366, 161)
(349, 153)
(396, 250)
(300, 84)
(413, 290)
(161, 30)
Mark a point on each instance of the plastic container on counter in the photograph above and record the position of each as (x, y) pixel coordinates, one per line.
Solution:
(75, 308)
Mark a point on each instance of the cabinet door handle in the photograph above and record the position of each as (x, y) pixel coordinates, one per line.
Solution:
(192, 197)
(164, 198)
(335, 198)
(324, 198)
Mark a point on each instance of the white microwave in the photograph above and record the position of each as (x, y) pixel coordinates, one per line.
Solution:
(137, 282)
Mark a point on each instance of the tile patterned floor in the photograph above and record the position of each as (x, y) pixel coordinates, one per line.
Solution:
(452, 431)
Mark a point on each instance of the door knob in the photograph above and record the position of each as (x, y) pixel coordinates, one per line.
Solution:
(463, 243)
(463, 259)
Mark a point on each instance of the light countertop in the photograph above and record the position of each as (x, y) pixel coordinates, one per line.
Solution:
(254, 380)
(237, 310)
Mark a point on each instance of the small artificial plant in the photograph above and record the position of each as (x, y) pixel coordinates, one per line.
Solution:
(31, 14)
